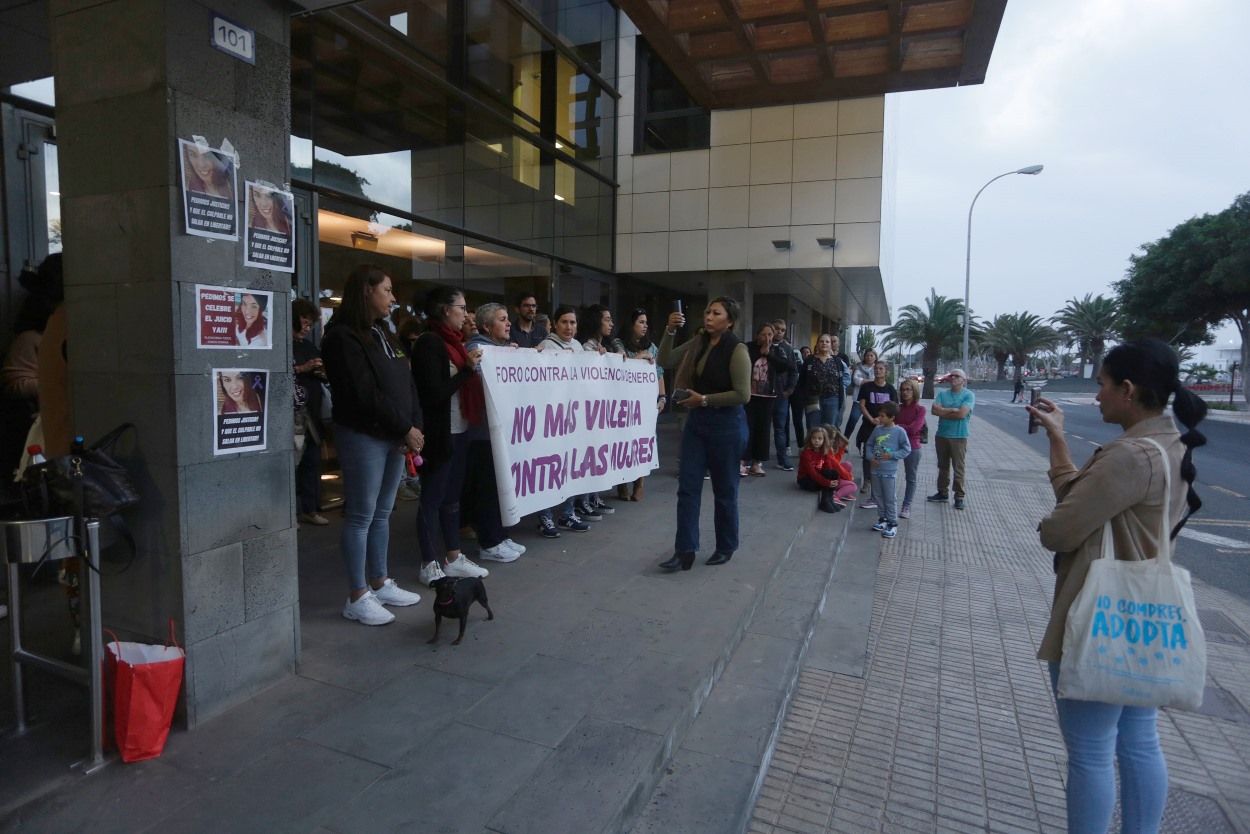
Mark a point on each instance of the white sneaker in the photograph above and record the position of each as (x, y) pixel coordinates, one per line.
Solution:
(461, 566)
(498, 553)
(431, 571)
(367, 610)
(518, 549)
(392, 594)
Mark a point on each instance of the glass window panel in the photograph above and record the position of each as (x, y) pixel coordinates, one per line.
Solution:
(505, 59)
(52, 183)
(422, 23)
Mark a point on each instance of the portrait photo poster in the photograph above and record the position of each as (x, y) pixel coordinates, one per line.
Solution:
(229, 318)
(240, 410)
(269, 236)
(209, 187)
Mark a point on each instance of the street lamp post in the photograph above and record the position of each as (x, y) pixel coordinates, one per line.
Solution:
(1030, 170)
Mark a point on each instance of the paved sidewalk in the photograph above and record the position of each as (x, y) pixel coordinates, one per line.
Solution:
(947, 723)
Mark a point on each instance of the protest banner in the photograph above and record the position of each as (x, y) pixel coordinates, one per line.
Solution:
(209, 184)
(239, 410)
(565, 424)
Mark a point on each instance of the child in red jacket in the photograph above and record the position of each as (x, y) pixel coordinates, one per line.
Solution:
(821, 470)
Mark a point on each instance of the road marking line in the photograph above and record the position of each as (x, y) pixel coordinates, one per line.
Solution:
(1078, 437)
(1210, 538)
(1092, 443)
(1222, 550)
(1227, 491)
(1219, 522)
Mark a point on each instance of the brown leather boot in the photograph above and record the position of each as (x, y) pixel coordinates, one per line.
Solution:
(637, 496)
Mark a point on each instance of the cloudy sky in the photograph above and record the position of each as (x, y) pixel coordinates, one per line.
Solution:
(1140, 111)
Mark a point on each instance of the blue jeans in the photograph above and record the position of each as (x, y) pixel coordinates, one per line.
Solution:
(712, 442)
(885, 493)
(910, 464)
(830, 412)
(566, 510)
(371, 471)
(1097, 735)
(781, 422)
(440, 502)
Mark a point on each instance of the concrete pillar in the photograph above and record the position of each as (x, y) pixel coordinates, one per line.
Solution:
(216, 538)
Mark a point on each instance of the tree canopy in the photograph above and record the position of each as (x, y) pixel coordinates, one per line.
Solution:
(938, 325)
(1193, 279)
(1090, 322)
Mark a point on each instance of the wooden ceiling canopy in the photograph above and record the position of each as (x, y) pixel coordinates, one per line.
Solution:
(743, 53)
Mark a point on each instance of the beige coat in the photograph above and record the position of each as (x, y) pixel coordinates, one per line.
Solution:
(1123, 482)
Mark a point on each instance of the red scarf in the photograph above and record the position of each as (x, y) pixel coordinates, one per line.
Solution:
(472, 397)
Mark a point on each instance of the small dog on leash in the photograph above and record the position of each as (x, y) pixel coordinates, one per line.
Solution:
(452, 597)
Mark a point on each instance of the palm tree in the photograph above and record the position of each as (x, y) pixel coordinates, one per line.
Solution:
(1025, 335)
(1090, 322)
(940, 324)
(994, 340)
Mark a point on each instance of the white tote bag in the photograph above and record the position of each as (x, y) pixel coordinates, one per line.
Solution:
(1132, 636)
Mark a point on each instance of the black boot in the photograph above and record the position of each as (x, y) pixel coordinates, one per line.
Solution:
(719, 558)
(826, 505)
(680, 561)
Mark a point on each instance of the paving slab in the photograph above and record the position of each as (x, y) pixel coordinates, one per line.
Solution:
(399, 717)
(452, 783)
(699, 793)
(579, 786)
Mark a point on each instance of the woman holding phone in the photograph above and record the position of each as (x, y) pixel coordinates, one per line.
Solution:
(713, 383)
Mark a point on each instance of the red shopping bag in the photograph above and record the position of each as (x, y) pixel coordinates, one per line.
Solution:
(145, 684)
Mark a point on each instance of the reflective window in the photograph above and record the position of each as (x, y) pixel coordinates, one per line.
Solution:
(52, 184)
(422, 23)
(668, 118)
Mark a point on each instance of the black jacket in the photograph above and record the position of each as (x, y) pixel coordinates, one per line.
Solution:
(373, 391)
(431, 371)
(788, 380)
(780, 368)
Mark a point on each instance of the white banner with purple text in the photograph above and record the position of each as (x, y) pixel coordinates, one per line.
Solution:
(566, 423)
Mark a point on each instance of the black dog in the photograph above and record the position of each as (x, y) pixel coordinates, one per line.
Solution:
(452, 597)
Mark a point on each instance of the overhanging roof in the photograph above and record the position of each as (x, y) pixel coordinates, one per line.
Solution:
(746, 53)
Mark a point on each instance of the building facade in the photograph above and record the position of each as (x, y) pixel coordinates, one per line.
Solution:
(581, 151)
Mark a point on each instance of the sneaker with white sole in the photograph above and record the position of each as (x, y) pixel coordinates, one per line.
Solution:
(430, 572)
(498, 553)
(880, 525)
(392, 594)
(586, 512)
(890, 532)
(518, 549)
(870, 504)
(367, 610)
(905, 512)
(572, 522)
(603, 507)
(547, 529)
(461, 566)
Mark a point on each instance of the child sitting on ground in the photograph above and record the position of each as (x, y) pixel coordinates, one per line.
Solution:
(846, 473)
(887, 445)
(819, 471)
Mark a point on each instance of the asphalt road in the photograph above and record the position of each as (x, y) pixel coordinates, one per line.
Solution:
(1215, 544)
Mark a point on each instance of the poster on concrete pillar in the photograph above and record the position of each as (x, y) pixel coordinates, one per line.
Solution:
(269, 237)
(209, 185)
(240, 410)
(229, 318)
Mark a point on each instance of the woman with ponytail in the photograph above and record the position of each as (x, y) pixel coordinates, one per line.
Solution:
(1123, 483)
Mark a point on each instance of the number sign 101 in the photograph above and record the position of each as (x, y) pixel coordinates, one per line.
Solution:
(234, 39)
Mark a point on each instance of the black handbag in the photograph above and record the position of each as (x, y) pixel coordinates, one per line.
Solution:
(48, 489)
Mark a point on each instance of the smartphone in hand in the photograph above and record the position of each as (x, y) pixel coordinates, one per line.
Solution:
(1034, 396)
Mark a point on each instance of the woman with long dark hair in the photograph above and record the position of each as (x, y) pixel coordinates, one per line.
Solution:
(596, 331)
(453, 399)
(768, 362)
(376, 415)
(637, 343)
(238, 395)
(1123, 483)
(251, 327)
(714, 380)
